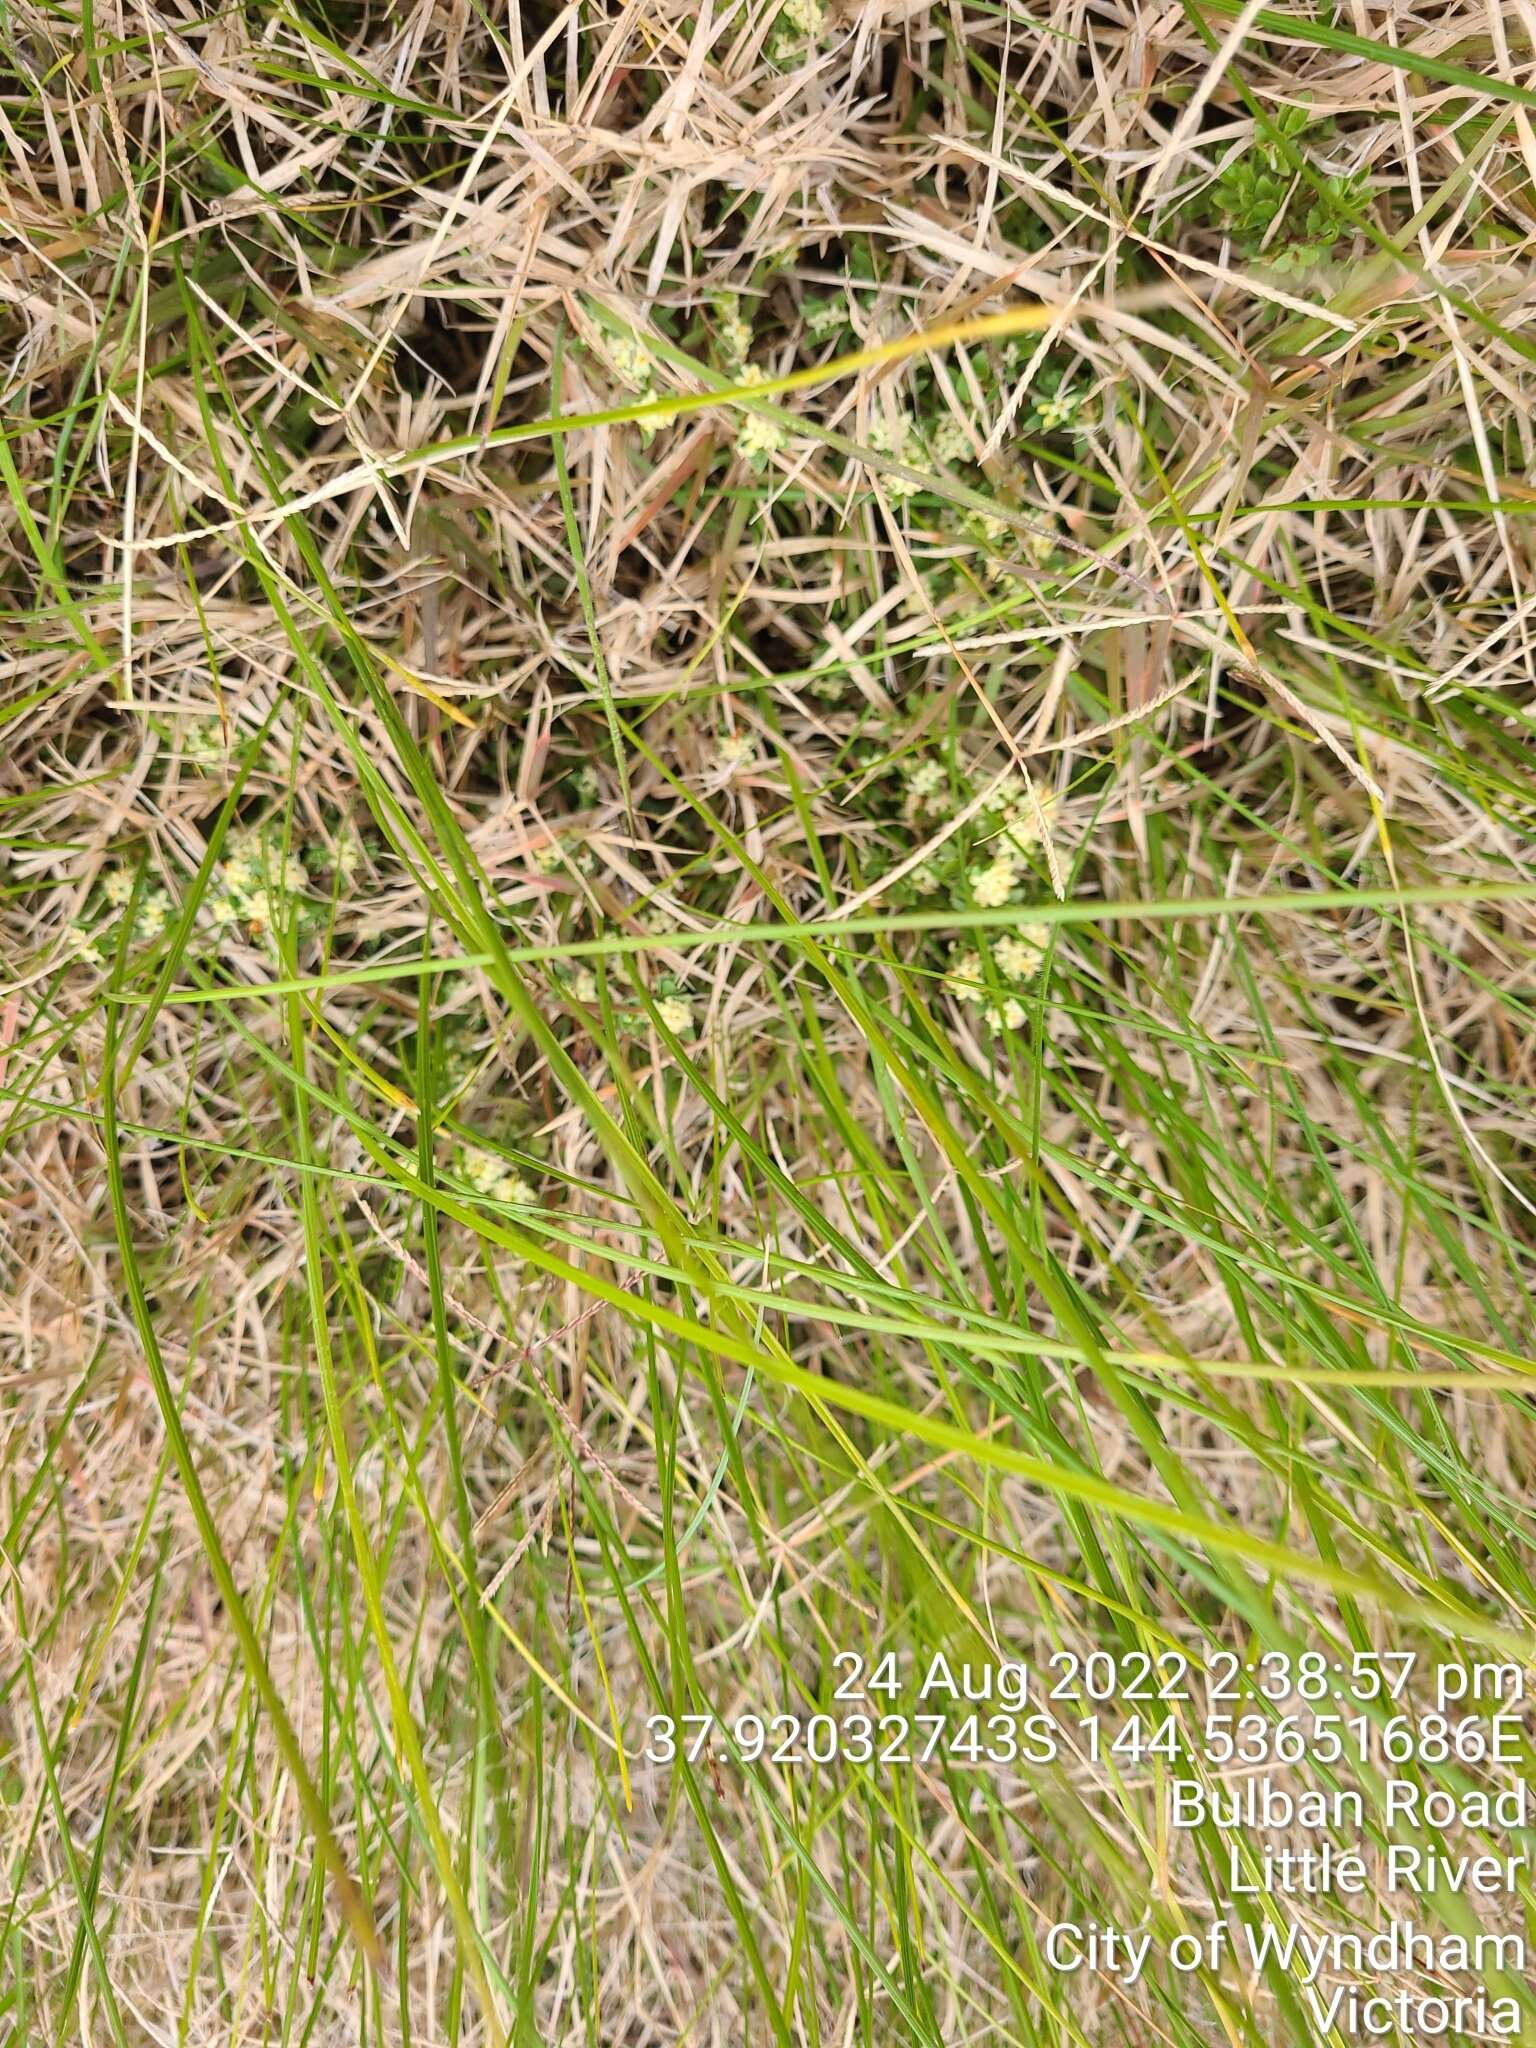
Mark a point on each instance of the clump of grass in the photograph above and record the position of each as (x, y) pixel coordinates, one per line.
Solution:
(658, 1024)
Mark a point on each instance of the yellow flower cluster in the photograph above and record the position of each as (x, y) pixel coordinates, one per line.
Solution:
(251, 884)
(491, 1176)
(1018, 957)
(757, 436)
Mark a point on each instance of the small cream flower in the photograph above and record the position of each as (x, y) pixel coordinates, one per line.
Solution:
(1020, 953)
(1009, 1014)
(252, 886)
(1057, 411)
(927, 787)
(1023, 829)
(890, 438)
(735, 334)
(631, 360)
(676, 1015)
(757, 437)
(154, 915)
(887, 437)
(584, 985)
(349, 852)
(992, 885)
(240, 869)
(963, 979)
(116, 888)
(822, 317)
(951, 442)
(735, 750)
(488, 1175)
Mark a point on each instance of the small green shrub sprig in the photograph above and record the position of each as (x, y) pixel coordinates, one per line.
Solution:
(1270, 213)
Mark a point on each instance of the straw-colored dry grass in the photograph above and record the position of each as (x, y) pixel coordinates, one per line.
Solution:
(485, 1257)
